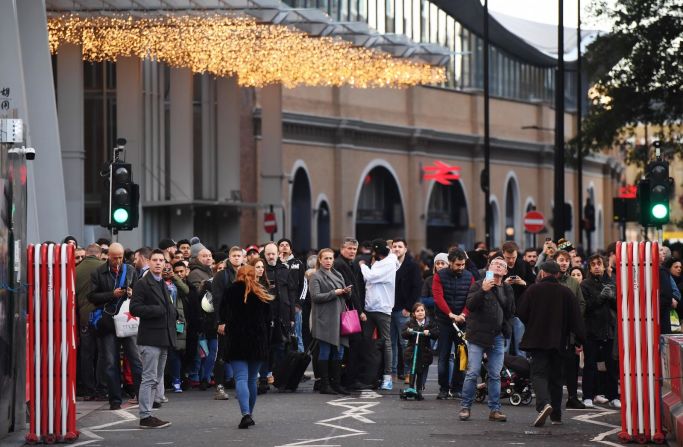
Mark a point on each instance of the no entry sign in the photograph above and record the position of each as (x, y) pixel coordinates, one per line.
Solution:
(534, 221)
(269, 223)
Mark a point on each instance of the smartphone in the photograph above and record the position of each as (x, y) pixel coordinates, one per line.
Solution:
(514, 277)
(489, 274)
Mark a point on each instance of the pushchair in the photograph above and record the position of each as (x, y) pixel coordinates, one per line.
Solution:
(515, 381)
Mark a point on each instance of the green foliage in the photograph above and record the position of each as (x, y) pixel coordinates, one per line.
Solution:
(637, 76)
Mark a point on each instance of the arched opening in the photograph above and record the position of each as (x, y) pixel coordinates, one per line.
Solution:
(493, 231)
(447, 218)
(379, 212)
(323, 225)
(512, 216)
(301, 212)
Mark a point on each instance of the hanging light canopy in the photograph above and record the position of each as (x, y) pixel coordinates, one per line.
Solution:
(257, 54)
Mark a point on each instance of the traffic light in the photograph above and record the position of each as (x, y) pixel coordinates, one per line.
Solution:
(124, 197)
(654, 193)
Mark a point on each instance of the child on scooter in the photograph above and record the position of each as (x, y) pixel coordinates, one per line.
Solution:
(419, 322)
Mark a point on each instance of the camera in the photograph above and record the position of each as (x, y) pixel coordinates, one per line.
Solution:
(29, 152)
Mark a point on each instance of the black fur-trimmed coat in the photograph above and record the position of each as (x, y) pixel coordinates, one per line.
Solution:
(247, 325)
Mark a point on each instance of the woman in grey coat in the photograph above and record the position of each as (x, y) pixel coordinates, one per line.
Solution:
(328, 293)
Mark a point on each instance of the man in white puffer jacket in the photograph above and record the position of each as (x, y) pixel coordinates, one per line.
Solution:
(380, 281)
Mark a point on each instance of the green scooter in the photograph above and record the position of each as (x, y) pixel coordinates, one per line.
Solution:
(412, 391)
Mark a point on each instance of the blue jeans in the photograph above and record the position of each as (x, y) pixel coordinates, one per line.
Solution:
(108, 347)
(330, 352)
(175, 363)
(298, 324)
(517, 334)
(245, 383)
(203, 367)
(398, 322)
(494, 365)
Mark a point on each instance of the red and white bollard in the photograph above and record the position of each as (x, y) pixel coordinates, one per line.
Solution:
(638, 329)
(51, 344)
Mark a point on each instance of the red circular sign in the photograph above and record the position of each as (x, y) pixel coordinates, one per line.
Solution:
(269, 223)
(534, 221)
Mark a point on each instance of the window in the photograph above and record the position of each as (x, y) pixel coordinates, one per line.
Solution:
(99, 107)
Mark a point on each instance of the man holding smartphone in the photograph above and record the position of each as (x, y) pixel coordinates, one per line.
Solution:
(112, 283)
(519, 277)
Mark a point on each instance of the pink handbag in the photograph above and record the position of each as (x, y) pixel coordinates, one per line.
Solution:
(350, 323)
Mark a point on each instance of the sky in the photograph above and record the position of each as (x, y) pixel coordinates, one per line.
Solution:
(545, 11)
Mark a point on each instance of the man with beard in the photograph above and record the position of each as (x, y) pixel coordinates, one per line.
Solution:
(282, 312)
(450, 288)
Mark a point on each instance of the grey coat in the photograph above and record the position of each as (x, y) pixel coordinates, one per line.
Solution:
(326, 307)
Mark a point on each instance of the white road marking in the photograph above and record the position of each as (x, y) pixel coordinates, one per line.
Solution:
(590, 418)
(91, 435)
(125, 414)
(84, 442)
(355, 409)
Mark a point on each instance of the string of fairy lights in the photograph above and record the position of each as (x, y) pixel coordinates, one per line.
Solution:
(256, 54)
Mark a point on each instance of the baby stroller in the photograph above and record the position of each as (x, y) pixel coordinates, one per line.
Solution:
(515, 381)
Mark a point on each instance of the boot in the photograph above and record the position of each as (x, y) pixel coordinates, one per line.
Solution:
(323, 371)
(335, 377)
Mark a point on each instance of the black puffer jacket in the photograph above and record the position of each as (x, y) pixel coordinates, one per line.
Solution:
(601, 302)
(487, 319)
(426, 356)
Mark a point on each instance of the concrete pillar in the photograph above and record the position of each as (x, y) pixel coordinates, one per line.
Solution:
(271, 174)
(46, 196)
(181, 144)
(129, 125)
(71, 130)
(228, 148)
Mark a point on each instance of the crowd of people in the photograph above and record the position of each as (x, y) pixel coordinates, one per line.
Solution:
(227, 319)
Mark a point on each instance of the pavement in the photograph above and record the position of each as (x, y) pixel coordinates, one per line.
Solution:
(306, 418)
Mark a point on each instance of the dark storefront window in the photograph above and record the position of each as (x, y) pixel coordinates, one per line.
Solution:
(99, 95)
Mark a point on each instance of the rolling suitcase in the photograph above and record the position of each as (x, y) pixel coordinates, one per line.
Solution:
(291, 369)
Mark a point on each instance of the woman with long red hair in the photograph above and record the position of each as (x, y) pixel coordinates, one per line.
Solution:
(246, 311)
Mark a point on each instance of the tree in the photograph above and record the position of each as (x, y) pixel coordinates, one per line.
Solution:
(637, 76)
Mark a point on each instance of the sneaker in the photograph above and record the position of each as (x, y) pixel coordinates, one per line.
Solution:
(246, 421)
(387, 384)
(575, 404)
(133, 401)
(555, 421)
(542, 416)
(615, 403)
(443, 395)
(114, 407)
(588, 403)
(156, 405)
(464, 414)
(497, 416)
(600, 399)
(220, 393)
(454, 394)
(152, 422)
(164, 400)
(177, 386)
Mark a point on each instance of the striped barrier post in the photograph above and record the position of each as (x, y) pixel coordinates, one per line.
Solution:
(51, 344)
(638, 329)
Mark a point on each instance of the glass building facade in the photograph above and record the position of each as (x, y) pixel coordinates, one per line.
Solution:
(423, 21)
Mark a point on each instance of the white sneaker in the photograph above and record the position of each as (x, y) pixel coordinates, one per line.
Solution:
(588, 403)
(600, 399)
(387, 384)
(615, 403)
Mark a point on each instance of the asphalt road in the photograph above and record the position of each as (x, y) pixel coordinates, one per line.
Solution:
(310, 419)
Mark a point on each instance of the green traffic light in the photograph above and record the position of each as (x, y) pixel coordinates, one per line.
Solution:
(120, 216)
(659, 211)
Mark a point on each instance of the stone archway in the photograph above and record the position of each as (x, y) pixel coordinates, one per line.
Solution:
(447, 218)
(379, 210)
(301, 212)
